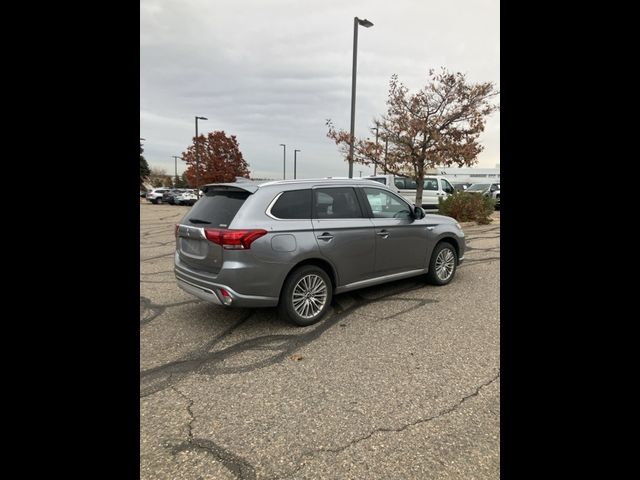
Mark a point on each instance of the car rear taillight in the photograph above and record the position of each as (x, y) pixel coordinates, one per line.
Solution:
(233, 239)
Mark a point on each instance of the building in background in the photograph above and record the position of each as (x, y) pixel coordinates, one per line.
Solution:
(469, 174)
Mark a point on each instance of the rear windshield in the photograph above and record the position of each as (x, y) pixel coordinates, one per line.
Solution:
(216, 208)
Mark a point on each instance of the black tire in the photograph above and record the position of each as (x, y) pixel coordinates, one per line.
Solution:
(158, 201)
(446, 272)
(286, 305)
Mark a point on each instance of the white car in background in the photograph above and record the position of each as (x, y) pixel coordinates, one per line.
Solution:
(155, 195)
(186, 198)
(435, 187)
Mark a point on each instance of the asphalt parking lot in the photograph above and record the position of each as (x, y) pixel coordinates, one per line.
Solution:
(399, 381)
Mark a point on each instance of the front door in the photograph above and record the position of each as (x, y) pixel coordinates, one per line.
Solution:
(431, 193)
(344, 234)
(401, 241)
(446, 189)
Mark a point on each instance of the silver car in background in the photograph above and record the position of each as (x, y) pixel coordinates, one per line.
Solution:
(491, 190)
(295, 243)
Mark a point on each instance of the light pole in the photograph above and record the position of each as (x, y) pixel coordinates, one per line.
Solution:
(375, 165)
(176, 160)
(294, 162)
(365, 23)
(284, 161)
(386, 147)
(198, 157)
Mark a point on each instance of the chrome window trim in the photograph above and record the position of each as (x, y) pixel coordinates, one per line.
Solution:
(270, 206)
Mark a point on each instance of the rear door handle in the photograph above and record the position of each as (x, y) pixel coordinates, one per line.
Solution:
(326, 236)
(383, 233)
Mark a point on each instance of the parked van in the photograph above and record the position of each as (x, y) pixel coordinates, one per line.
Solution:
(435, 187)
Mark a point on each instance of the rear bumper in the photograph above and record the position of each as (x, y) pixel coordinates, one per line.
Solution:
(207, 287)
(200, 292)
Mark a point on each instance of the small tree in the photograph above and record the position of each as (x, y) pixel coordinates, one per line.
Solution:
(437, 126)
(180, 181)
(220, 159)
(157, 176)
(144, 169)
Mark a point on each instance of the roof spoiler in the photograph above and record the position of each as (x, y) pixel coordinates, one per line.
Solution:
(246, 186)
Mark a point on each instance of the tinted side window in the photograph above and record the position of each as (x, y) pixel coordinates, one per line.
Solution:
(431, 184)
(294, 204)
(399, 182)
(336, 203)
(386, 205)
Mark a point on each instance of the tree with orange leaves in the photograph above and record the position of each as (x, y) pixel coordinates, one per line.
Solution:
(220, 159)
(438, 126)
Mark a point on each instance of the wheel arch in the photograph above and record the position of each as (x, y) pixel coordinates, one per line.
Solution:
(449, 239)
(318, 262)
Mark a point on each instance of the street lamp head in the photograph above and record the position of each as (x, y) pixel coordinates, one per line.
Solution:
(365, 23)
(282, 145)
(202, 118)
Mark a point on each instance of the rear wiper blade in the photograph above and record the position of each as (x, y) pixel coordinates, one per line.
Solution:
(196, 220)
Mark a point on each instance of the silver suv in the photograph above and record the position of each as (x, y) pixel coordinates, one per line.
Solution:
(294, 243)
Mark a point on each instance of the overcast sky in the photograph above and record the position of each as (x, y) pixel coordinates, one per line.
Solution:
(273, 71)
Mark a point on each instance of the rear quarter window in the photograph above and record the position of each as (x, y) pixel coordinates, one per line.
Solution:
(295, 204)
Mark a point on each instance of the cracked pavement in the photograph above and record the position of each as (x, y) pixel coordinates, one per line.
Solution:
(400, 381)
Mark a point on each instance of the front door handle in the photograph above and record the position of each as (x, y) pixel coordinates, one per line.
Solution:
(326, 236)
(383, 234)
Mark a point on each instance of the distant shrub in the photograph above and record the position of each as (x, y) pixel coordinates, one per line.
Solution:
(467, 207)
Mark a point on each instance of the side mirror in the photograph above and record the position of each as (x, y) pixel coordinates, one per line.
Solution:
(418, 212)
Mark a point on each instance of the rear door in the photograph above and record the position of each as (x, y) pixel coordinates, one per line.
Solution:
(401, 241)
(344, 234)
(215, 209)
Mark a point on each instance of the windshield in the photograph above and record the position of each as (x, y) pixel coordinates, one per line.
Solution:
(381, 180)
(479, 187)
